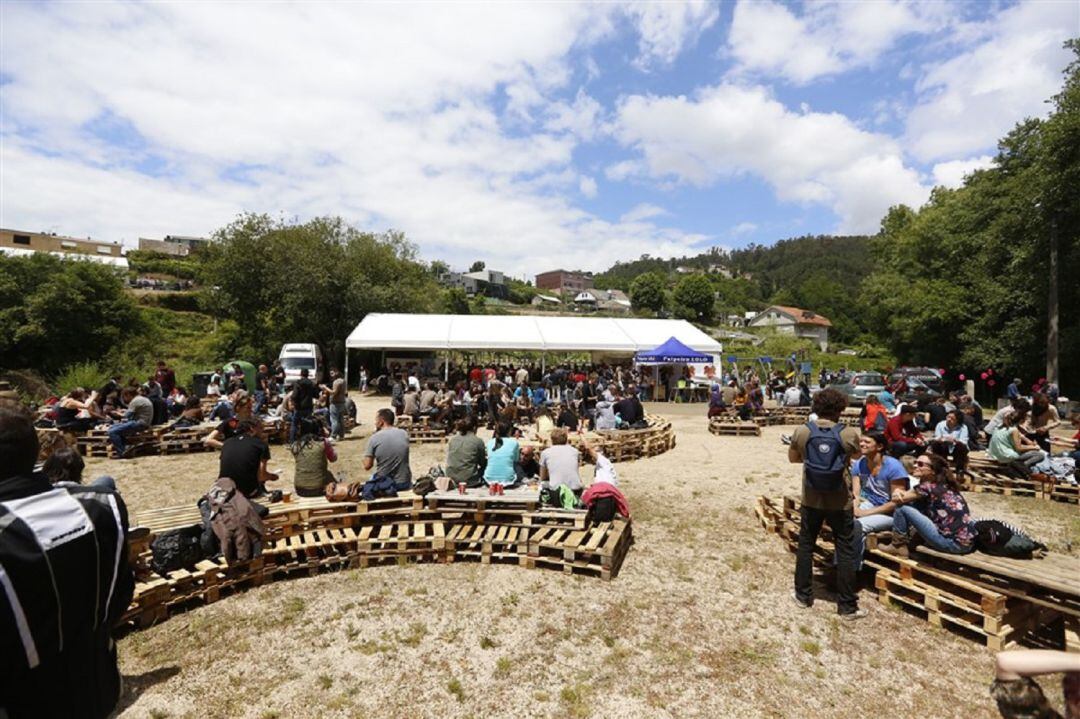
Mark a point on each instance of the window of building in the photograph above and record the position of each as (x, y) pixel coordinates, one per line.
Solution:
(104, 250)
(21, 239)
(68, 244)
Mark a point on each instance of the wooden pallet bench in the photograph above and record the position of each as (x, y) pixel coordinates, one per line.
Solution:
(734, 429)
(310, 535)
(986, 475)
(994, 600)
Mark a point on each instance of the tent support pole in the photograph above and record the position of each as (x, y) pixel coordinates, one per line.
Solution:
(446, 367)
(346, 369)
(543, 363)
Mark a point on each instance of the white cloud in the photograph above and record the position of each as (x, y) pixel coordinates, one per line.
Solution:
(383, 113)
(727, 131)
(743, 228)
(969, 101)
(951, 174)
(643, 211)
(827, 38)
(666, 27)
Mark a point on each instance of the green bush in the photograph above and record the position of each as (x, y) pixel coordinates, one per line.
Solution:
(178, 301)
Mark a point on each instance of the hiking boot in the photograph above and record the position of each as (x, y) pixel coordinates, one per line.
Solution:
(800, 603)
(898, 547)
(854, 616)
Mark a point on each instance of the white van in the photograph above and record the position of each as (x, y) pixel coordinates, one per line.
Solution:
(297, 356)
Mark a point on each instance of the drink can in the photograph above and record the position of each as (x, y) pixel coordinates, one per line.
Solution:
(461, 487)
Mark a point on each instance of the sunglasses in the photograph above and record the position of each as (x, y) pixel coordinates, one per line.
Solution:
(920, 463)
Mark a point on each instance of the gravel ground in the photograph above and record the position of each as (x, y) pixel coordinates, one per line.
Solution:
(698, 623)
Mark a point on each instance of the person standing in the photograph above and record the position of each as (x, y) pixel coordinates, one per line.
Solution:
(338, 397)
(165, 377)
(825, 449)
(388, 451)
(303, 401)
(262, 388)
(66, 583)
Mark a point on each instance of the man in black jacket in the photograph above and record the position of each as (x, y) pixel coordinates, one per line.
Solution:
(64, 582)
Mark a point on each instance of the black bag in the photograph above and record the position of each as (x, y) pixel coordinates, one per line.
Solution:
(602, 510)
(424, 485)
(999, 539)
(176, 548)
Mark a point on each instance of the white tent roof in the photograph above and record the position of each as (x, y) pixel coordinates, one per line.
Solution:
(523, 332)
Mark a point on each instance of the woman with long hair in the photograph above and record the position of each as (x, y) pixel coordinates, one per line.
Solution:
(1043, 418)
(941, 517)
(76, 412)
(312, 451)
(503, 457)
(874, 477)
(1011, 447)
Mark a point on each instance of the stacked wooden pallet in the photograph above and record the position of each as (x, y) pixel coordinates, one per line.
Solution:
(309, 536)
(620, 445)
(993, 600)
(719, 426)
(422, 431)
(986, 475)
(95, 443)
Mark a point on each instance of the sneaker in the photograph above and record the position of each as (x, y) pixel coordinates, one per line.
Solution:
(785, 439)
(852, 616)
(800, 603)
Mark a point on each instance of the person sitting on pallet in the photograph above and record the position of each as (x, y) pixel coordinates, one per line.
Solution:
(603, 499)
(875, 418)
(139, 417)
(951, 440)
(410, 403)
(191, 416)
(243, 460)
(1071, 446)
(874, 477)
(903, 435)
(1042, 419)
(388, 451)
(1009, 446)
(503, 458)
(824, 448)
(559, 463)
(311, 452)
(629, 409)
(75, 412)
(935, 511)
(466, 456)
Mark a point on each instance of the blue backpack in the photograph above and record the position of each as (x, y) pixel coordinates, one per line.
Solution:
(824, 458)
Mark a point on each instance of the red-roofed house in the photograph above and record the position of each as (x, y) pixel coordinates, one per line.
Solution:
(795, 321)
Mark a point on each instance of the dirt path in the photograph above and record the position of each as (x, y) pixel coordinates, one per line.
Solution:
(699, 622)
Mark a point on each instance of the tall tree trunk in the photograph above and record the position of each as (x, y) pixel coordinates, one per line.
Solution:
(1052, 310)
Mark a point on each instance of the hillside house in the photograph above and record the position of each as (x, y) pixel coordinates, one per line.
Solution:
(795, 321)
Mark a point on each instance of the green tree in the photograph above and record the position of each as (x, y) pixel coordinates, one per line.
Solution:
(309, 282)
(477, 266)
(456, 302)
(695, 293)
(55, 312)
(647, 292)
(438, 268)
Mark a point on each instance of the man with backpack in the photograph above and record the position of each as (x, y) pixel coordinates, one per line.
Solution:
(825, 449)
(64, 583)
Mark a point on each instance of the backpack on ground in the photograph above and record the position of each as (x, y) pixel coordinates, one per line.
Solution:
(824, 458)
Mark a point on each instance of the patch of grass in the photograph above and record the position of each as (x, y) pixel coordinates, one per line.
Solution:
(487, 643)
(268, 714)
(158, 714)
(370, 647)
(325, 681)
(542, 696)
(416, 634)
(454, 687)
(609, 641)
(575, 700)
(805, 630)
(416, 591)
(294, 607)
(503, 667)
(511, 599)
(810, 647)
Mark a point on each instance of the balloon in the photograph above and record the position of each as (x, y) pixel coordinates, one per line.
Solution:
(1042, 380)
(984, 375)
(991, 383)
(990, 372)
(962, 378)
(941, 371)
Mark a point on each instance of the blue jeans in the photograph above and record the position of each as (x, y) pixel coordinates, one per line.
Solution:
(907, 516)
(899, 449)
(260, 400)
(868, 525)
(294, 425)
(337, 421)
(104, 482)
(117, 432)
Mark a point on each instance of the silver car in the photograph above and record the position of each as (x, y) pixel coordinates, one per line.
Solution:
(859, 385)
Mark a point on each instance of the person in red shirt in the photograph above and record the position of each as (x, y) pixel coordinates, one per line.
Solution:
(475, 375)
(903, 436)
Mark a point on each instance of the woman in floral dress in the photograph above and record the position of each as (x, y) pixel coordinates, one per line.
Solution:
(934, 510)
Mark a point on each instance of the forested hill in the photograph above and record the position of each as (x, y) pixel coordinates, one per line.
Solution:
(822, 273)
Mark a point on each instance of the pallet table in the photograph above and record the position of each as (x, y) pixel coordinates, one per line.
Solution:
(734, 429)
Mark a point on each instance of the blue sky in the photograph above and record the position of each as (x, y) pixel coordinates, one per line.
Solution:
(528, 135)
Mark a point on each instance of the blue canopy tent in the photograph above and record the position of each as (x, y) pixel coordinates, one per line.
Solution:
(672, 352)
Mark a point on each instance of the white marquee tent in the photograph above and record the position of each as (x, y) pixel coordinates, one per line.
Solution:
(535, 333)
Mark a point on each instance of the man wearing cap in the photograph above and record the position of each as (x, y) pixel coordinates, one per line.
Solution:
(902, 434)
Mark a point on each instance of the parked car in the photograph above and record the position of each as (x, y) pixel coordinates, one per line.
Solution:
(297, 356)
(922, 382)
(860, 384)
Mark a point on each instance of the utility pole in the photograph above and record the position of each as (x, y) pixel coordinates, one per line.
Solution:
(1052, 310)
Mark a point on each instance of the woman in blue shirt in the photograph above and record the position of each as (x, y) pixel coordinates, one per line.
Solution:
(874, 477)
(951, 440)
(503, 457)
